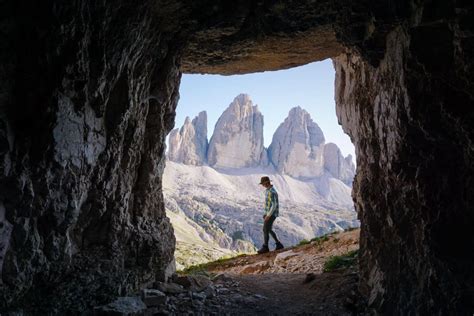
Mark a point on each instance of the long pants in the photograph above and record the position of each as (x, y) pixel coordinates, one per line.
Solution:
(267, 230)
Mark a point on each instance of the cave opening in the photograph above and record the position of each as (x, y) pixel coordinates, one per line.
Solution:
(88, 94)
(281, 124)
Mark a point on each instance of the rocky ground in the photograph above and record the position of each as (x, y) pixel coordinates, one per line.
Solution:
(285, 282)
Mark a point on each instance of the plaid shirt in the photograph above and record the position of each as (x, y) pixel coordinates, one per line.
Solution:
(271, 202)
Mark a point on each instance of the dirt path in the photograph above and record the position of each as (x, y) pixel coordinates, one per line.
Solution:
(286, 282)
(291, 281)
(286, 294)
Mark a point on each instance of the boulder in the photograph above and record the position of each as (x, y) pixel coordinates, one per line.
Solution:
(122, 306)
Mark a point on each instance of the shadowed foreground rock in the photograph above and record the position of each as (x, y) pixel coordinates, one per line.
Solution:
(87, 96)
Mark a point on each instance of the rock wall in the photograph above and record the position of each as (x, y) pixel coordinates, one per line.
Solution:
(88, 92)
(414, 187)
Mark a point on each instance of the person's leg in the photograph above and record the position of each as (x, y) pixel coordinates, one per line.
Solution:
(270, 229)
(278, 244)
(266, 230)
(264, 248)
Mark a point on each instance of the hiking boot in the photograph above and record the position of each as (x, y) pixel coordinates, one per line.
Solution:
(264, 249)
(279, 246)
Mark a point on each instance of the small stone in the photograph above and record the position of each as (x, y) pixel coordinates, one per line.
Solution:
(152, 297)
(199, 283)
(309, 277)
(259, 296)
(171, 288)
(184, 281)
(222, 278)
(223, 290)
(209, 292)
(199, 296)
(122, 306)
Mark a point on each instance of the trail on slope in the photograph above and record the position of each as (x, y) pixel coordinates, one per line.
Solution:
(291, 281)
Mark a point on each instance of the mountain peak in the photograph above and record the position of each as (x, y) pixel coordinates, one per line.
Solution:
(243, 99)
(237, 141)
(297, 145)
(339, 167)
(189, 144)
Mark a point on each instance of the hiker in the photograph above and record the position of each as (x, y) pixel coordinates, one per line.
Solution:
(270, 214)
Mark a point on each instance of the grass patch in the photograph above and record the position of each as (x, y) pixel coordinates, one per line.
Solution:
(321, 239)
(351, 229)
(204, 267)
(316, 240)
(303, 242)
(343, 261)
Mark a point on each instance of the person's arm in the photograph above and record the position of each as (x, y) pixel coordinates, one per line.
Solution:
(272, 204)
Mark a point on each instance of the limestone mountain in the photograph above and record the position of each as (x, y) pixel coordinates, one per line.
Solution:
(211, 189)
(297, 146)
(189, 144)
(237, 140)
(337, 165)
(298, 149)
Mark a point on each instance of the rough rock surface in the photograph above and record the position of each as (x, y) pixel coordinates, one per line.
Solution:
(83, 122)
(188, 145)
(256, 36)
(237, 141)
(414, 188)
(297, 146)
(339, 167)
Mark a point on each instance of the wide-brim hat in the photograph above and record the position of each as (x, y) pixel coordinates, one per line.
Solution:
(264, 180)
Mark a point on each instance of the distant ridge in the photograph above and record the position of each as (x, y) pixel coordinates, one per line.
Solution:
(298, 145)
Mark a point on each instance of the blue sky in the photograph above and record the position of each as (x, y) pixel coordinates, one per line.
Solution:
(276, 92)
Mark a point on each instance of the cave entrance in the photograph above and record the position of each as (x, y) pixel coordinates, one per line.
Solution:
(232, 130)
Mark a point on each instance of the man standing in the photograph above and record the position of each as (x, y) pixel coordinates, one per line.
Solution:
(271, 213)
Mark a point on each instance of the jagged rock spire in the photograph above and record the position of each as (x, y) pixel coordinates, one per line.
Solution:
(188, 145)
(237, 140)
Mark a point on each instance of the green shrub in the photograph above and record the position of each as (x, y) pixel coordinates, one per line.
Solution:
(321, 239)
(350, 229)
(342, 261)
(304, 242)
(203, 268)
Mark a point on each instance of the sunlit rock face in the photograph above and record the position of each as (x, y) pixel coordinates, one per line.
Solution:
(339, 167)
(188, 145)
(297, 146)
(237, 141)
(414, 186)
